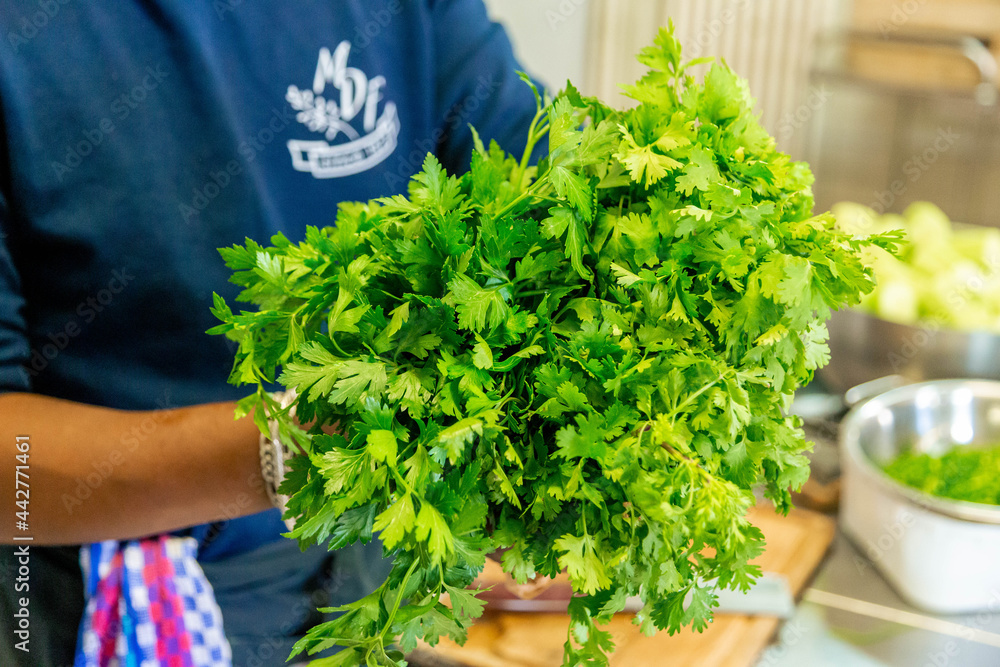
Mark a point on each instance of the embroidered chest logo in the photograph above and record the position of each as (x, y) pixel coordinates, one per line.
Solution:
(343, 106)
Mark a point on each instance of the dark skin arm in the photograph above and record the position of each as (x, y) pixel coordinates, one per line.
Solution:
(146, 472)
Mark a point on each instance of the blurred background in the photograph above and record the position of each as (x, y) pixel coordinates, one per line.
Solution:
(890, 101)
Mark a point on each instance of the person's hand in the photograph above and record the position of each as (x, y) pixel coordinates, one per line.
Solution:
(493, 574)
(529, 590)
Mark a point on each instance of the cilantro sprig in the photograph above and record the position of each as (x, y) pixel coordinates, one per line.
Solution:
(585, 362)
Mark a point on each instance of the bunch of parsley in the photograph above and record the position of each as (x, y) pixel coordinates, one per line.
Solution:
(584, 362)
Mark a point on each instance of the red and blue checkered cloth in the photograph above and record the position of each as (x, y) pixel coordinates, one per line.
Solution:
(149, 605)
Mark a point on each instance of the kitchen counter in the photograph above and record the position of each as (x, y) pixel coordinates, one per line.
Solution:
(507, 638)
(848, 616)
(822, 635)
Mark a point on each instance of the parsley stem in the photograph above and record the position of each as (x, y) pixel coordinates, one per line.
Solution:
(534, 134)
(399, 478)
(695, 395)
(530, 191)
(685, 459)
(517, 200)
(390, 295)
(551, 199)
(342, 353)
(399, 598)
(534, 292)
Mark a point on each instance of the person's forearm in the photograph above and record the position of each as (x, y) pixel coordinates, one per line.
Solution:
(96, 473)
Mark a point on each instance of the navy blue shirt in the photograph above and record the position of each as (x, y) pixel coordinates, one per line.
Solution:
(136, 138)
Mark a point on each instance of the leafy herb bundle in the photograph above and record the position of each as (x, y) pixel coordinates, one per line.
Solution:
(584, 362)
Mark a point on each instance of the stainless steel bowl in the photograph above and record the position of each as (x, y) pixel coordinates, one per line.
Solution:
(863, 348)
(942, 555)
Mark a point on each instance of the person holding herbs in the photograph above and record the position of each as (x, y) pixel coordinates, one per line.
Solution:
(137, 139)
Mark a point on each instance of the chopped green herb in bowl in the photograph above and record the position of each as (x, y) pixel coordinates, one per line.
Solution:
(963, 473)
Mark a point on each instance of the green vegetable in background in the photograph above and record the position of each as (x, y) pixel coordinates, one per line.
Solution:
(945, 275)
(961, 473)
(585, 362)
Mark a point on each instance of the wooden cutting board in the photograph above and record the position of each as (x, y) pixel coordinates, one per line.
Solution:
(796, 545)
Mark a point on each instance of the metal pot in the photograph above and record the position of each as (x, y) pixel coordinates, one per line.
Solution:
(941, 555)
(863, 348)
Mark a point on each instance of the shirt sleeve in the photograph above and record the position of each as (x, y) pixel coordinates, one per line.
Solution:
(477, 84)
(14, 348)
